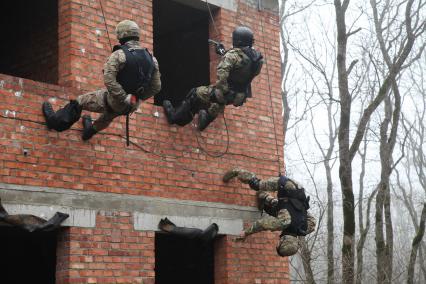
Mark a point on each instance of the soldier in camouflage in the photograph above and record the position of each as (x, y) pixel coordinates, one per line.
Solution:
(235, 72)
(286, 213)
(131, 75)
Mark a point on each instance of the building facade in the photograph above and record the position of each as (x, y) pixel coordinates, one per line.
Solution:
(115, 195)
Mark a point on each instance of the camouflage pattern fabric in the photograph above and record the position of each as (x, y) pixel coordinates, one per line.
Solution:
(236, 64)
(270, 223)
(287, 245)
(114, 93)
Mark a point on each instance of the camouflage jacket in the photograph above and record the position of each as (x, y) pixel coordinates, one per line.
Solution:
(116, 94)
(235, 65)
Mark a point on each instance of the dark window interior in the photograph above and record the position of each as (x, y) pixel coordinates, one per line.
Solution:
(29, 46)
(179, 260)
(181, 48)
(27, 257)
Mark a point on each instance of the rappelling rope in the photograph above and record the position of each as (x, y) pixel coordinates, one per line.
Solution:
(198, 135)
(269, 87)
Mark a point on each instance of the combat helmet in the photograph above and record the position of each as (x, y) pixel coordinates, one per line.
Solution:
(287, 246)
(127, 30)
(242, 36)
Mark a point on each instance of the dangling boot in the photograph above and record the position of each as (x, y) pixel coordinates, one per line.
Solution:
(204, 119)
(181, 115)
(210, 232)
(64, 118)
(166, 225)
(88, 129)
(48, 112)
(169, 110)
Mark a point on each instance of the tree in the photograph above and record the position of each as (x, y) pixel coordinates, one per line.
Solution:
(347, 150)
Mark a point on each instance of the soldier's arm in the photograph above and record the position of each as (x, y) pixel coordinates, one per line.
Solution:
(229, 60)
(115, 63)
(155, 86)
(267, 223)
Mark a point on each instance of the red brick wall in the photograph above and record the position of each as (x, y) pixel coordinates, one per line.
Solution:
(110, 253)
(172, 167)
(250, 262)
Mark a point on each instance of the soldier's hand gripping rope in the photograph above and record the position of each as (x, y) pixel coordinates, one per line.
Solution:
(219, 47)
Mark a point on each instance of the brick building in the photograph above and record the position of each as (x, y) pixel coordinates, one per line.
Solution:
(115, 195)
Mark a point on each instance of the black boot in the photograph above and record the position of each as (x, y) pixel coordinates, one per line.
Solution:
(204, 119)
(64, 118)
(48, 112)
(181, 115)
(169, 110)
(88, 130)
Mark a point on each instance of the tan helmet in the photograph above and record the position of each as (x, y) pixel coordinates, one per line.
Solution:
(126, 29)
(287, 246)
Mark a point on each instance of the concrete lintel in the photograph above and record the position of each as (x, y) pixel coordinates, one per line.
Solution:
(91, 200)
(149, 222)
(78, 217)
(201, 4)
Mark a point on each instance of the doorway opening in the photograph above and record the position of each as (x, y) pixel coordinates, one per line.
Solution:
(30, 33)
(181, 47)
(27, 257)
(180, 260)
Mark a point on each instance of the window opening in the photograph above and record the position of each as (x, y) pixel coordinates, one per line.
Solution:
(30, 34)
(181, 47)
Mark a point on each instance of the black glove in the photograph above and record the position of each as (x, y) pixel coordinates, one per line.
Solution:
(220, 49)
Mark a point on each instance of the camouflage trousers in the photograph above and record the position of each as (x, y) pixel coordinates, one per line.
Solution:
(203, 94)
(279, 223)
(95, 102)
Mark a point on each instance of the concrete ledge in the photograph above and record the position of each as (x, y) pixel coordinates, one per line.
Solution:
(201, 4)
(78, 217)
(86, 203)
(149, 222)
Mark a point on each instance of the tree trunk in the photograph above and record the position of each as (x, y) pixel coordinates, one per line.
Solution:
(345, 167)
(330, 227)
(416, 242)
(306, 259)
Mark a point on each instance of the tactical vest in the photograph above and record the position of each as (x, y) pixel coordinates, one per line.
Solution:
(239, 80)
(137, 73)
(297, 204)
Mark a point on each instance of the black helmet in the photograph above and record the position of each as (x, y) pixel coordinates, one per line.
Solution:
(242, 36)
